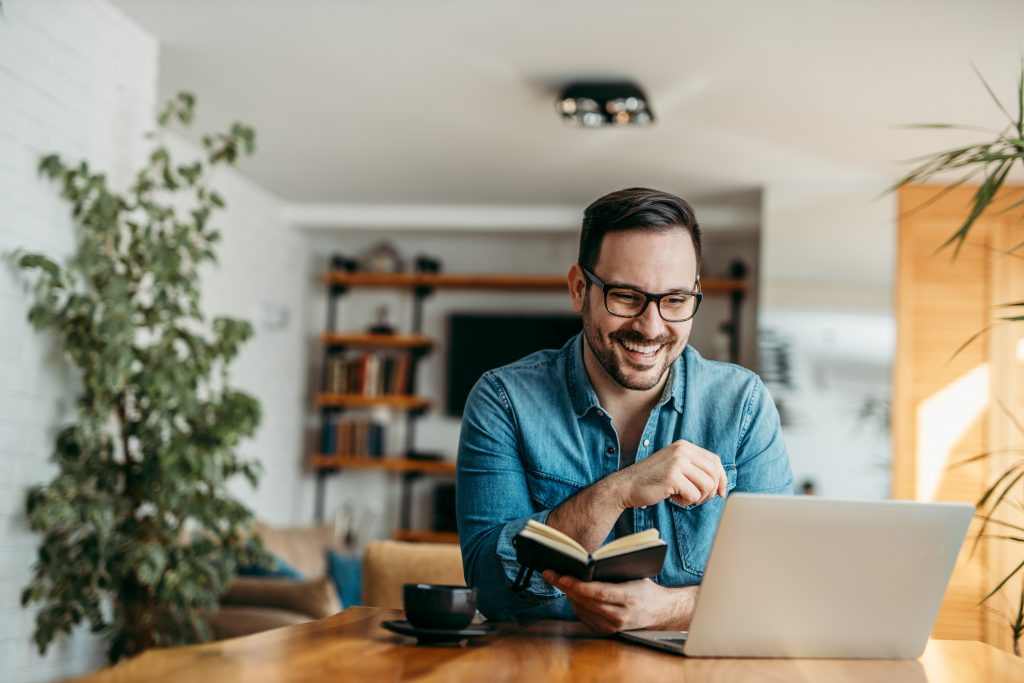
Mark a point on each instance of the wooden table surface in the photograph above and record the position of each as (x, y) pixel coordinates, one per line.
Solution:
(352, 646)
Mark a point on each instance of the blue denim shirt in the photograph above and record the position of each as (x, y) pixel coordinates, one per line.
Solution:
(534, 434)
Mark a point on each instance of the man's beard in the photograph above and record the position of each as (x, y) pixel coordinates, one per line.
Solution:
(603, 350)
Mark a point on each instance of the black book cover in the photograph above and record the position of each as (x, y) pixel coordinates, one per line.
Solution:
(636, 564)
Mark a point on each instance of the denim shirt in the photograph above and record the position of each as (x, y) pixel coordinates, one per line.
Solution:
(534, 434)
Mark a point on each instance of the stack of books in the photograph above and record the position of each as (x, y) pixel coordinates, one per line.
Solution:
(368, 373)
(359, 437)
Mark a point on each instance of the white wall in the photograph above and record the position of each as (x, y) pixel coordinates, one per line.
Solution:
(76, 77)
(262, 276)
(828, 262)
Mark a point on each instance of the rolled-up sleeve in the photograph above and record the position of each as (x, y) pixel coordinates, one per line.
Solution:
(493, 504)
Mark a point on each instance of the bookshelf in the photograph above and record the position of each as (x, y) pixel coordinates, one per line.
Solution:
(416, 346)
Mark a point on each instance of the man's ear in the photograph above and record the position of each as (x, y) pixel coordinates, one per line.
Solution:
(577, 287)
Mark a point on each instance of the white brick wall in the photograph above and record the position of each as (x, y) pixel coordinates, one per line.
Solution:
(79, 78)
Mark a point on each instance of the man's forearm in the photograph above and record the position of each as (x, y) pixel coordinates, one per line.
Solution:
(590, 515)
(684, 603)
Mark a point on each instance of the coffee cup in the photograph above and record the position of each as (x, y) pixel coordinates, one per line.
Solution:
(439, 607)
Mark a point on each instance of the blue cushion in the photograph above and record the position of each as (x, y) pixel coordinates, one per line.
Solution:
(346, 571)
(279, 570)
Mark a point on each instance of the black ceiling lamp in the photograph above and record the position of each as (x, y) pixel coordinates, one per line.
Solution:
(591, 104)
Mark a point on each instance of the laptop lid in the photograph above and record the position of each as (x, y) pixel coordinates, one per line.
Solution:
(813, 577)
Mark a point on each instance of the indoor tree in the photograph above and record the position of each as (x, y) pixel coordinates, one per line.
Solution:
(139, 536)
(991, 161)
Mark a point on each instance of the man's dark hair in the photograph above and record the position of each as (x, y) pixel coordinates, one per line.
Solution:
(636, 208)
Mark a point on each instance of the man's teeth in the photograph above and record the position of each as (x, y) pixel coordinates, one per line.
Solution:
(646, 350)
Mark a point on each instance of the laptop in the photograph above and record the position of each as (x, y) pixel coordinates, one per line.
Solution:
(816, 578)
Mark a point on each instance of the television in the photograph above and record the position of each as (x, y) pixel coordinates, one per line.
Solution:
(478, 342)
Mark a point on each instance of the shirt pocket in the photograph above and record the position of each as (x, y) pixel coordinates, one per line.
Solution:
(548, 491)
(694, 527)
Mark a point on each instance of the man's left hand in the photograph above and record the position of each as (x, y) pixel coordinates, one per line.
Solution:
(613, 607)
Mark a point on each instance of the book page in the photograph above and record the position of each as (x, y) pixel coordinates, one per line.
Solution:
(555, 539)
(627, 544)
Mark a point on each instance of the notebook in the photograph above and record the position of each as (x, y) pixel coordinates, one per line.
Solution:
(819, 578)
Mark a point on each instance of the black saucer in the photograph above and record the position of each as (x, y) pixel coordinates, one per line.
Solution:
(438, 636)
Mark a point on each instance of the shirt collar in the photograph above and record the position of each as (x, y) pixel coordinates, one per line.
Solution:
(582, 393)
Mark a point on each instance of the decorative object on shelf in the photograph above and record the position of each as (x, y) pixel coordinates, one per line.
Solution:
(381, 325)
(427, 264)
(342, 263)
(592, 104)
(383, 257)
(138, 533)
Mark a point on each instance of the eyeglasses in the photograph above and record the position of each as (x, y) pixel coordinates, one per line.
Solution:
(628, 302)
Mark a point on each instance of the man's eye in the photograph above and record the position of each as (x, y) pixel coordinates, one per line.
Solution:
(624, 297)
(675, 301)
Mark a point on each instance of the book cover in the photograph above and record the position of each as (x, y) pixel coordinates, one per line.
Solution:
(637, 556)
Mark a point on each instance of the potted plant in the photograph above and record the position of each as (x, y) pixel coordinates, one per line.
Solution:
(991, 161)
(139, 536)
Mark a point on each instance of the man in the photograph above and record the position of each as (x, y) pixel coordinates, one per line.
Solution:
(623, 429)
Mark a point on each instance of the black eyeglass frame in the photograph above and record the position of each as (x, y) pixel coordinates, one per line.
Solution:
(648, 297)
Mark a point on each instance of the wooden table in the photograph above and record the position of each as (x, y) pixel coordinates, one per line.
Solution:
(351, 646)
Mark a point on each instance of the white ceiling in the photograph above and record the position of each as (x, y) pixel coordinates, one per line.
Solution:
(452, 103)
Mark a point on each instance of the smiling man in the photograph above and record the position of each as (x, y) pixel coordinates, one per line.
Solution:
(623, 429)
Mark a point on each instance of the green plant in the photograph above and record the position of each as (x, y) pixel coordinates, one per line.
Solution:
(993, 161)
(139, 535)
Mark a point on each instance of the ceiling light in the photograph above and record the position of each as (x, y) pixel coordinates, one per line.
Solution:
(590, 104)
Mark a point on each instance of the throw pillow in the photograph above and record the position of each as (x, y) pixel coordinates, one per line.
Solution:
(346, 571)
(279, 570)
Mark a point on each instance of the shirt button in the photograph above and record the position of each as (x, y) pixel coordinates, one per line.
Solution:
(647, 442)
(601, 413)
(611, 450)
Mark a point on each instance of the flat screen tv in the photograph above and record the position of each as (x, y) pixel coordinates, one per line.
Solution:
(478, 342)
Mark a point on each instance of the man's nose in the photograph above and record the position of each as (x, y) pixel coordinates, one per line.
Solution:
(649, 323)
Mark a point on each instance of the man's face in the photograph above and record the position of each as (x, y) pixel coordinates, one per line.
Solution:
(637, 352)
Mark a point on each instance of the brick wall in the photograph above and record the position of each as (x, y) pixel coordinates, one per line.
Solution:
(79, 78)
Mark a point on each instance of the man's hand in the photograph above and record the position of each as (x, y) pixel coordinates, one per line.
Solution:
(682, 471)
(613, 607)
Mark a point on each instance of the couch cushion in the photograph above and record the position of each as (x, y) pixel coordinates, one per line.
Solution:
(300, 547)
(387, 565)
(314, 598)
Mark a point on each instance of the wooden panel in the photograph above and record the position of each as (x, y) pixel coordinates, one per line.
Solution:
(943, 411)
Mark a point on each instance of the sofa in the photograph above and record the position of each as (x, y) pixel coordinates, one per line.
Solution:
(254, 603)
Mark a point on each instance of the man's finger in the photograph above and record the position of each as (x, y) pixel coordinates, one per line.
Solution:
(596, 591)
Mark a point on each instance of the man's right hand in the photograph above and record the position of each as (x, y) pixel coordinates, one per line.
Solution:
(682, 471)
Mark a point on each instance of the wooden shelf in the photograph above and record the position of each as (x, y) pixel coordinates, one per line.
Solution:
(391, 341)
(391, 464)
(417, 536)
(709, 285)
(397, 401)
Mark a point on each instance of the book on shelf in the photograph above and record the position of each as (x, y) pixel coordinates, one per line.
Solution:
(368, 373)
(358, 437)
(540, 547)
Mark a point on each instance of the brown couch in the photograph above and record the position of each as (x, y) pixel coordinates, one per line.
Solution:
(254, 604)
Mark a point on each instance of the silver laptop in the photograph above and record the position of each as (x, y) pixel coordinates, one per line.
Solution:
(812, 577)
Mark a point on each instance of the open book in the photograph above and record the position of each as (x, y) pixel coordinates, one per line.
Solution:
(637, 556)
